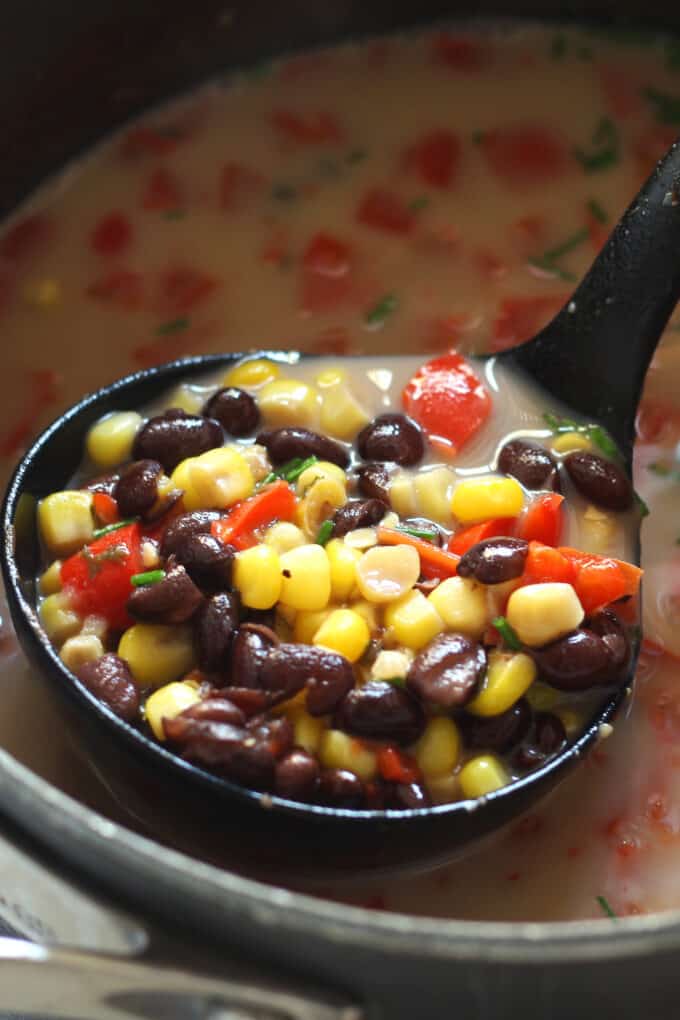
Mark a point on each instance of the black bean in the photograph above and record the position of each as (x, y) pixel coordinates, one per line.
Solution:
(326, 675)
(251, 702)
(575, 662)
(207, 561)
(103, 483)
(529, 463)
(297, 775)
(222, 746)
(249, 652)
(286, 443)
(373, 481)
(110, 679)
(215, 627)
(381, 711)
(448, 671)
(548, 738)
(235, 410)
(173, 600)
(606, 624)
(137, 488)
(341, 789)
(163, 506)
(277, 732)
(599, 481)
(198, 522)
(392, 437)
(357, 513)
(498, 732)
(216, 708)
(494, 560)
(407, 796)
(175, 435)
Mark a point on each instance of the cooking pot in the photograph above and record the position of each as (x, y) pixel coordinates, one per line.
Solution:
(158, 933)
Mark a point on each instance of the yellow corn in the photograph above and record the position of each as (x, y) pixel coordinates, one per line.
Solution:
(341, 415)
(443, 789)
(482, 775)
(79, 649)
(215, 480)
(433, 493)
(323, 498)
(307, 730)
(481, 499)
(541, 697)
(156, 653)
(251, 374)
(289, 402)
(340, 751)
(284, 536)
(109, 442)
(186, 397)
(322, 469)
(65, 521)
(50, 580)
(413, 620)
(307, 622)
(345, 632)
(462, 605)
(438, 750)
(567, 442)
(540, 613)
(43, 293)
(256, 457)
(167, 703)
(571, 720)
(403, 494)
(508, 677)
(391, 663)
(368, 612)
(257, 576)
(306, 577)
(343, 564)
(385, 573)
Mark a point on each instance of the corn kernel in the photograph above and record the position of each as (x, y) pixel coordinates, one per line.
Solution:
(433, 493)
(541, 697)
(215, 480)
(252, 374)
(571, 720)
(391, 664)
(322, 469)
(79, 649)
(403, 494)
(368, 612)
(343, 564)
(567, 442)
(509, 676)
(482, 775)
(283, 536)
(385, 573)
(307, 730)
(340, 751)
(540, 613)
(481, 499)
(96, 625)
(257, 576)
(50, 580)
(109, 442)
(597, 531)
(438, 750)
(323, 498)
(289, 402)
(167, 703)
(413, 620)
(344, 632)
(307, 622)
(342, 416)
(443, 789)
(150, 555)
(306, 577)
(157, 653)
(462, 605)
(65, 521)
(186, 397)
(43, 293)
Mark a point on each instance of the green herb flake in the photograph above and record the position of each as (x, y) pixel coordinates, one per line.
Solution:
(666, 108)
(478, 137)
(641, 505)
(174, 214)
(428, 536)
(148, 577)
(398, 681)
(356, 156)
(284, 193)
(604, 151)
(548, 260)
(100, 532)
(595, 433)
(662, 470)
(597, 211)
(292, 471)
(603, 441)
(421, 202)
(325, 532)
(549, 267)
(558, 46)
(381, 311)
(605, 906)
(173, 326)
(507, 633)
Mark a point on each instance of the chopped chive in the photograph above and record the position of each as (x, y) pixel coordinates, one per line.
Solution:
(507, 633)
(421, 202)
(174, 326)
(549, 267)
(597, 211)
(429, 536)
(398, 681)
(174, 214)
(377, 315)
(284, 192)
(356, 155)
(605, 906)
(666, 107)
(99, 532)
(603, 440)
(574, 241)
(662, 470)
(478, 137)
(558, 47)
(148, 577)
(268, 479)
(325, 532)
(296, 470)
(605, 147)
(641, 505)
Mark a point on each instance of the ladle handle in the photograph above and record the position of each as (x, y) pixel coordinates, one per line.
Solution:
(595, 353)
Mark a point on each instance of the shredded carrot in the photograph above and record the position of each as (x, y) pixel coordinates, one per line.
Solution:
(434, 562)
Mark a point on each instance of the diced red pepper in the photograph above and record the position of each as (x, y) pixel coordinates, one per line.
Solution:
(434, 158)
(162, 191)
(521, 318)
(460, 52)
(313, 127)
(122, 287)
(26, 236)
(98, 577)
(239, 184)
(183, 288)
(467, 537)
(601, 579)
(105, 507)
(544, 563)
(434, 562)
(112, 234)
(527, 155)
(326, 273)
(448, 400)
(542, 521)
(396, 766)
(382, 209)
(276, 502)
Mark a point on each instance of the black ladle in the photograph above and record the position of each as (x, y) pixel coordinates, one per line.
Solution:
(591, 357)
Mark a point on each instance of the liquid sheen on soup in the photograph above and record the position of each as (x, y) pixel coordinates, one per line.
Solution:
(294, 209)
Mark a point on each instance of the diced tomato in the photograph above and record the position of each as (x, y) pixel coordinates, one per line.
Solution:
(621, 91)
(396, 766)
(162, 191)
(434, 158)
(149, 141)
(98, 577)
(382, 209)
(542, 520)
(239, 184)
(326, 270)
(313, 127)
(26, 236)
(601, 579)
(544, 563)
(460, 52)
(465, 538)
(105, 507)
(490, 265)
(183, 288)
(276, 502)
(527, 155)
(448, 400)
(521, 318)
(122, 287)
(112, 234)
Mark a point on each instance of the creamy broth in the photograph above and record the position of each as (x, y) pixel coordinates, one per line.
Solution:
(200, 231)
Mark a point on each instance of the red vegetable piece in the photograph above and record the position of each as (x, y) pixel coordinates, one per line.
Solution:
(467, 537)
(162, 191)
(527, 155)
(122, 287)
(448, 400)
(239, 184)
(434, 562)
(183, 288)
(313, 127)
(544, 563)
(98, 577)
(395, 766)
(434, 158)
(459, 52)
(542, 520)
(276, 502)
(601, 579)
(26, 236)
(520, 318)
(105, 507)
(622, 93)
(490, 265)
(382, 209)
(112, 234)
(326, 273)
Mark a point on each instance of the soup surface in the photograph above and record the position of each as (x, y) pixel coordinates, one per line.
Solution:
(293, 209)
